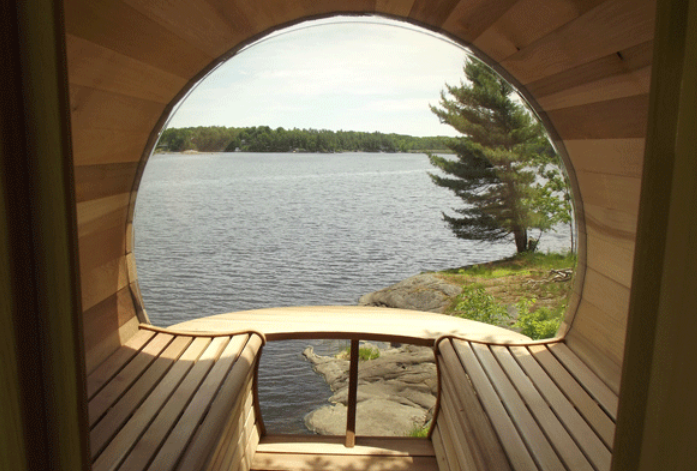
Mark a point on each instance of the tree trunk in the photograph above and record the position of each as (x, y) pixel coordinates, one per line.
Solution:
(521, 239)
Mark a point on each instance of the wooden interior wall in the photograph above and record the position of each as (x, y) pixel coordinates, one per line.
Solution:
(584, 63)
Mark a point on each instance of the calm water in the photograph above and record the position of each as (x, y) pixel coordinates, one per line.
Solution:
(218, 233)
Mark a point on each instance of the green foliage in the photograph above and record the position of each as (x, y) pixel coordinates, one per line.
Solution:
(506, 171)
(419, 432)
(265, 139)
(364, 353)
(520, 264)
(476, 304)
(543, 323)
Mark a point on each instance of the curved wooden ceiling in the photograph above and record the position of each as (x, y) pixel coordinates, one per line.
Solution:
(585, 64)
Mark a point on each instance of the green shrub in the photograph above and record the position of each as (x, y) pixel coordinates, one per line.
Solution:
(364, 353)
(477, 305)
(540, 324)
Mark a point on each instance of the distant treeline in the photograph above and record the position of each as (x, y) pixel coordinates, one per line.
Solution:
(265, 139)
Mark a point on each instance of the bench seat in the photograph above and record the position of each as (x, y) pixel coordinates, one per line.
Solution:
(522, 407)
(166, 401)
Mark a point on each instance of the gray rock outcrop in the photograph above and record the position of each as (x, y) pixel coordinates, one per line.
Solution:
(396, 392)
(424, 292)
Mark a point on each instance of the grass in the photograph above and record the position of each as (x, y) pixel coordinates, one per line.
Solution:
(364, 353)
(419, 431)
(523, 285)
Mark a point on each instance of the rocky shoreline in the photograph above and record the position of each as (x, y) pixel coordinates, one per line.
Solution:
(424, 292)
(396, 392)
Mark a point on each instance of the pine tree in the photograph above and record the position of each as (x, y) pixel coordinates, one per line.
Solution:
(506, 171)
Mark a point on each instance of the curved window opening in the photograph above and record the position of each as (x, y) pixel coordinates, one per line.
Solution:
(255, 199)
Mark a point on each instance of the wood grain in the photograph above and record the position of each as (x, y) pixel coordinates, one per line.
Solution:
(432, 12)
(620, 118)
(610, 27)
(623, 157)
(598, 454)
(116, 26)
(527, 21)
(617, 62)
(105, 430)
(94, 146)
(93, 182)
(103, 281)
(597, 418)
(469, 19)
(98, 67)
(591, 383)
(107, 370)
(94, 108)
(512, 443)
(107, 316)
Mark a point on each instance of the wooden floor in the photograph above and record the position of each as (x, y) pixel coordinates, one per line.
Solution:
(351, 322)
(315, 453)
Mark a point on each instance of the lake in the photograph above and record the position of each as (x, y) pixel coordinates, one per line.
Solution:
(225, 232)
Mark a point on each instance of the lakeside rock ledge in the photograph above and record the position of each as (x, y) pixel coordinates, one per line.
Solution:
(424, 292)
(396, 392)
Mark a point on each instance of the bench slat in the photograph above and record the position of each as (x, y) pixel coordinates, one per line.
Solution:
(111, 392)
(594, 449)
(465, 448)
(206, 438)
(526, 425)
(556, 434)
(166, 418)
(112, 365)
(182, 433)
(590, 381)
(443, 450)
(471, 416)
(106, 428)
(226, 454)
(513, 444)
(579, 397)
(131, 432)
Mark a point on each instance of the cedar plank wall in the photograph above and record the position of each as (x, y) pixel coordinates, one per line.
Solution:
(586, 64)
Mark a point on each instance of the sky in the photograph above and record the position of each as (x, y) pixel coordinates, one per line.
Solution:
(353, 74)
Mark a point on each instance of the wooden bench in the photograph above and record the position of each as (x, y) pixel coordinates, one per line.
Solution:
(166, 401)
(523, 407)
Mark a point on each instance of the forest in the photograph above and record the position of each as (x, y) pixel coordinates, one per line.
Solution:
(265, 139)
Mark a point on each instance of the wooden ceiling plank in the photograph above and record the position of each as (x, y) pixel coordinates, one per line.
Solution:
(622, 157)
(606, 29)
(432, 12)
(632, 83)
(91, 210)
(612, 222)
(613, 258)
(400, 8)
(107, 146)
(611, 119)
(615, 63)
(92, 108)
(99, 181)
(469, 19)
(611, 191)
(115, 25)
(606, 294)
(528, 21)
(198, 23)
(95, 66)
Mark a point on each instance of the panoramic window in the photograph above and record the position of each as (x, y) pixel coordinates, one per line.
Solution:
(326, 165)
